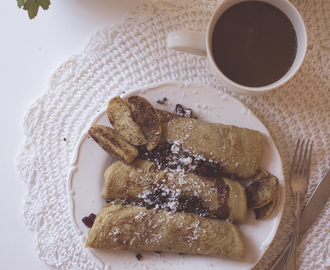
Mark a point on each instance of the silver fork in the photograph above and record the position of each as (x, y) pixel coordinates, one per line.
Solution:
(299, 181)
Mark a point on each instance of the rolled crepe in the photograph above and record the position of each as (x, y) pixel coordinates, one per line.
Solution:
(237, 150)
(131, 227)
(215, 197)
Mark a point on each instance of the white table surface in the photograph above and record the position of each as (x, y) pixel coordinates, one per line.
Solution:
(31, 50)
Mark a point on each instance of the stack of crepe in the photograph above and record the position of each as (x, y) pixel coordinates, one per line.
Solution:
(145, 213)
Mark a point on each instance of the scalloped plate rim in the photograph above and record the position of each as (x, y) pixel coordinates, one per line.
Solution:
(177, 84)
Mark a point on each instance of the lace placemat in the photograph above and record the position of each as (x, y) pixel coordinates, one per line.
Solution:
(134, 53)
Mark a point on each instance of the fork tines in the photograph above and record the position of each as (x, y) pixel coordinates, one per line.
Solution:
(301, 160)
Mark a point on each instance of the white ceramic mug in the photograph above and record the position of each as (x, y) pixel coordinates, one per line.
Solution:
(200, 43)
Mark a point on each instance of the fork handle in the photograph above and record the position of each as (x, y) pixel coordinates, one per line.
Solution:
(291, 260)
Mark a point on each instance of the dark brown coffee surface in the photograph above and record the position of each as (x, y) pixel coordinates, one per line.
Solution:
(254, 43)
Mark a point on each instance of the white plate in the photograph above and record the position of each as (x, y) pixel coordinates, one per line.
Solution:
(85, 181)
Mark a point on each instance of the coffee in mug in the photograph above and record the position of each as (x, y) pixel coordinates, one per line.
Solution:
(251, 46)
(254, 43)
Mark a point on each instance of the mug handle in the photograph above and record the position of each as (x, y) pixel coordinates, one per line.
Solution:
(193, 42)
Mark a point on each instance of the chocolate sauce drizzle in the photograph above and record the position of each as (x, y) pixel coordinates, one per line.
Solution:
(164, 156)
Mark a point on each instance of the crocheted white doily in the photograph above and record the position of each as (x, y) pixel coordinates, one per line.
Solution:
(133, 54)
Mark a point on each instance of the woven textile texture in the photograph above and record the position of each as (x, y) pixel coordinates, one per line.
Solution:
(134, 53)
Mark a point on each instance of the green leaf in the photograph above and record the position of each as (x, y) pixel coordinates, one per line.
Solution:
(32, 7)
(20, 3)
(44, 4)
